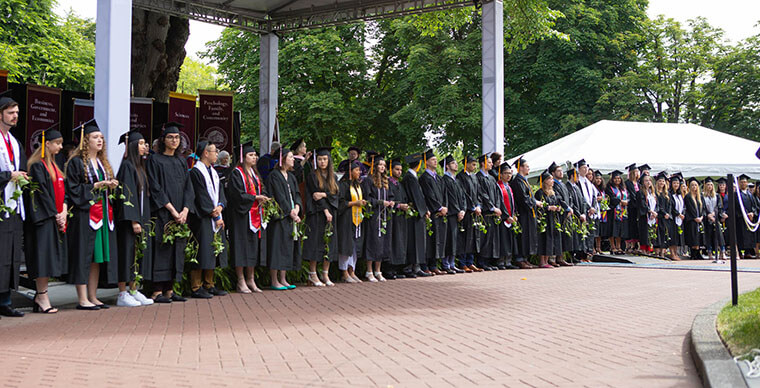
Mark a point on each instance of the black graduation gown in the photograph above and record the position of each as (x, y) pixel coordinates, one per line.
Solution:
(457, 202)
(580, 207)
(507, 236)
(44, 244)
(168, 182)
(11, 234)
(314, 246)
(714, 230)
(247, 247)
(435, 198)
(377, 245)
(616, 228)
(666, 228)
(398, 237)
(550, 241)
(633, 210)
(642, 224)
(678, 238)
(526, 207)
(200, 219)
(490, 198)
(81, 236)
(139, 211)
(565, 201)
(283, 253)
(694, 209)
(469, 240)
(350, 236)
(745, 239)
(417, 235)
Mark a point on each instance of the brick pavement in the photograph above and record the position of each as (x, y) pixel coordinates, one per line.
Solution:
(573, 327)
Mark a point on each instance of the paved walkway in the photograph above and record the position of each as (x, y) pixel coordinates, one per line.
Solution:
(582, 326)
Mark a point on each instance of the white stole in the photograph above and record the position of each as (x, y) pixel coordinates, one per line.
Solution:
(5, 165)
(212, 187)
(652, 206)
(678, 199)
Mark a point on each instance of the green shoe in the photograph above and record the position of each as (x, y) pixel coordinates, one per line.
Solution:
(291, 287)
(278, 288)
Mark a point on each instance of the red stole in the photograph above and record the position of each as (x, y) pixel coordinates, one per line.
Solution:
(250, 188)
(506, 195)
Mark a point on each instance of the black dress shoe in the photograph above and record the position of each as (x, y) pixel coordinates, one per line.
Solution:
(400, 276)
(423, 274)
(410, 275)
(8, 311)
(90, 308)
(457, 270)
(161, 299)
(390, 276)
(201, 293)
(103, 306)
(486, 268)
(451, 271)
(178, 298)
(510, 266)
(501, 267)
(216, 292)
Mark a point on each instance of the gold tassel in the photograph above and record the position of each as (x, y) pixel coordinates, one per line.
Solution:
(541, 181)
(43, 145)
(81, 138)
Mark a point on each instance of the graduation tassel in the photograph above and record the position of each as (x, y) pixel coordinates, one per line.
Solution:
(43, 144)
(81, 138)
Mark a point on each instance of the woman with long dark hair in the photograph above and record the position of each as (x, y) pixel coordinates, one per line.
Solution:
(617, 216)
(378, 227)
(91, 238)
(283, 253)
(550, 240)
(350, 217)
(45, 226)
(666, 226)
(677, 195)
(247, 236)
(647, 202)
(321, 211)
(602, 223)
(133, 220)
(171, 196)
(693, 216)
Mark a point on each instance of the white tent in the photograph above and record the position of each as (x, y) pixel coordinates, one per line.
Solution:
(688, 148)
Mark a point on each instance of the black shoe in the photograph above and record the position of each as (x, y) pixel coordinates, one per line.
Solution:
(90, 308)
(201, 293)
(501, 267)
(421, 274)
(8, 311)
(486, 268)
(510, 266)
(451, 271)
(178, 298)
(216, 292)
(457, 270)
(410, 275)
(390, 276)
(103, 306)
(400, 276)
(161, 299)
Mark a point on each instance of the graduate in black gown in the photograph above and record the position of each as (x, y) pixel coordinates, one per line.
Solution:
(321, 211)
(171, 197)
(12, 166)
(91, 239)
(416, 232)
(632, 186)
(354, 153)
(745, 238)
(550, 240)
(435, 200)
(526, 204)
(677, 192)
(206, 222)
(395, 267)
(507, 235)
(563, 195)
(694, 215)
(713, 239)
(301, 167)
(722, 192)
(243, 219)
(133, 219)
(378, 229)
(647, 209)
(45, 226)
(491, 202)
(580, 209)
(468, 242)
(283, 245)
(351, 200)
(617, 216)
(666, 226)
(457, 206)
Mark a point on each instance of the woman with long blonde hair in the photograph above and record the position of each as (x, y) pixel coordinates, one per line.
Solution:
(550, 240)
(647, 201)
(677, 194)
(377, 243)
(713, 237)
(693, 215)
(46, 220)
(92, 243)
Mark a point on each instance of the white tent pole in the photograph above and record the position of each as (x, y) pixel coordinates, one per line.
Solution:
(493, 76)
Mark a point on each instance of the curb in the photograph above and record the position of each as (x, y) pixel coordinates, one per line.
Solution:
(715, 365)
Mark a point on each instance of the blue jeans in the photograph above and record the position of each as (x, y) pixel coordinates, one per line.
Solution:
(467, 259)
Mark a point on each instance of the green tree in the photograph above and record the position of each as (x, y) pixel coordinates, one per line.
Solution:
(196, 75)
(38, 47)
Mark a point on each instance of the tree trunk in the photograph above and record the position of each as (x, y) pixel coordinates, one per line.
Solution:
(158, 50)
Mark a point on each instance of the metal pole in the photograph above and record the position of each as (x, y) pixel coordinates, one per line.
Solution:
(732, 238)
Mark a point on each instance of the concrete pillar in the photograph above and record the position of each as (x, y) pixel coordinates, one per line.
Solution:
(113, 59)
(493, 76)
(268, 90)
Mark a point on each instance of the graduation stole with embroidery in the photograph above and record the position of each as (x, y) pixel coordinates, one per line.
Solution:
(254, 219)
(356, 211)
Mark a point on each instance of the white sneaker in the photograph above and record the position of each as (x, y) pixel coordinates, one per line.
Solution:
(138, 296)
(126, 300)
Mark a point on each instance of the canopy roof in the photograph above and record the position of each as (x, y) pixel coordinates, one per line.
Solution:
(612, 145)
(284, 15)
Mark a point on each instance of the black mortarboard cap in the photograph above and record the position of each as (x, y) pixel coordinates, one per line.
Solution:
(706, 180)
(546, 175)
(322, 151)
(130, 136)
(395, 162)
(354, 164)
(51, 133)
(248, 147)
(467, 159)
(482, 158)
(616, 173)
(631, 167)
(413, 159)
(597, 173)
(355, 148)
(692, 179)
(171, 127)
(581, 162)
(721, 180)
(520, 160)
(744, 176)
(445, 162)
(429, 154)
(662, 175)
(675, 177)
(296, 144)
(504, 167)
(89, 127)
(5, 99)
(369, 154)
(552, 167)
(644, 167)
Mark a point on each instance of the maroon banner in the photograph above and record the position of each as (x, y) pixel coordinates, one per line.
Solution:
(141, 117)
(3, 80)
(182, 110)
(215, 119)
(82, 112)
(43, 106)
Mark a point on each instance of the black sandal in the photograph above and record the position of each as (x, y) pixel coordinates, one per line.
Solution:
(38, 309)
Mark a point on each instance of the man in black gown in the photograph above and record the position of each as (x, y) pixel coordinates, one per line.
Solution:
(435, 199)
(745, 238)
(354, 153)
(457, 205)
(394, 268)
(12, 167)
(492, 203)
(580, 208)
(564, 201)
(526, 210)
(416, 233)
(469, 240)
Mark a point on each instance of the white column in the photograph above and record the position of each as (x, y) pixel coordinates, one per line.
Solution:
(268, 72)
(493, 76)
(113, 58)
